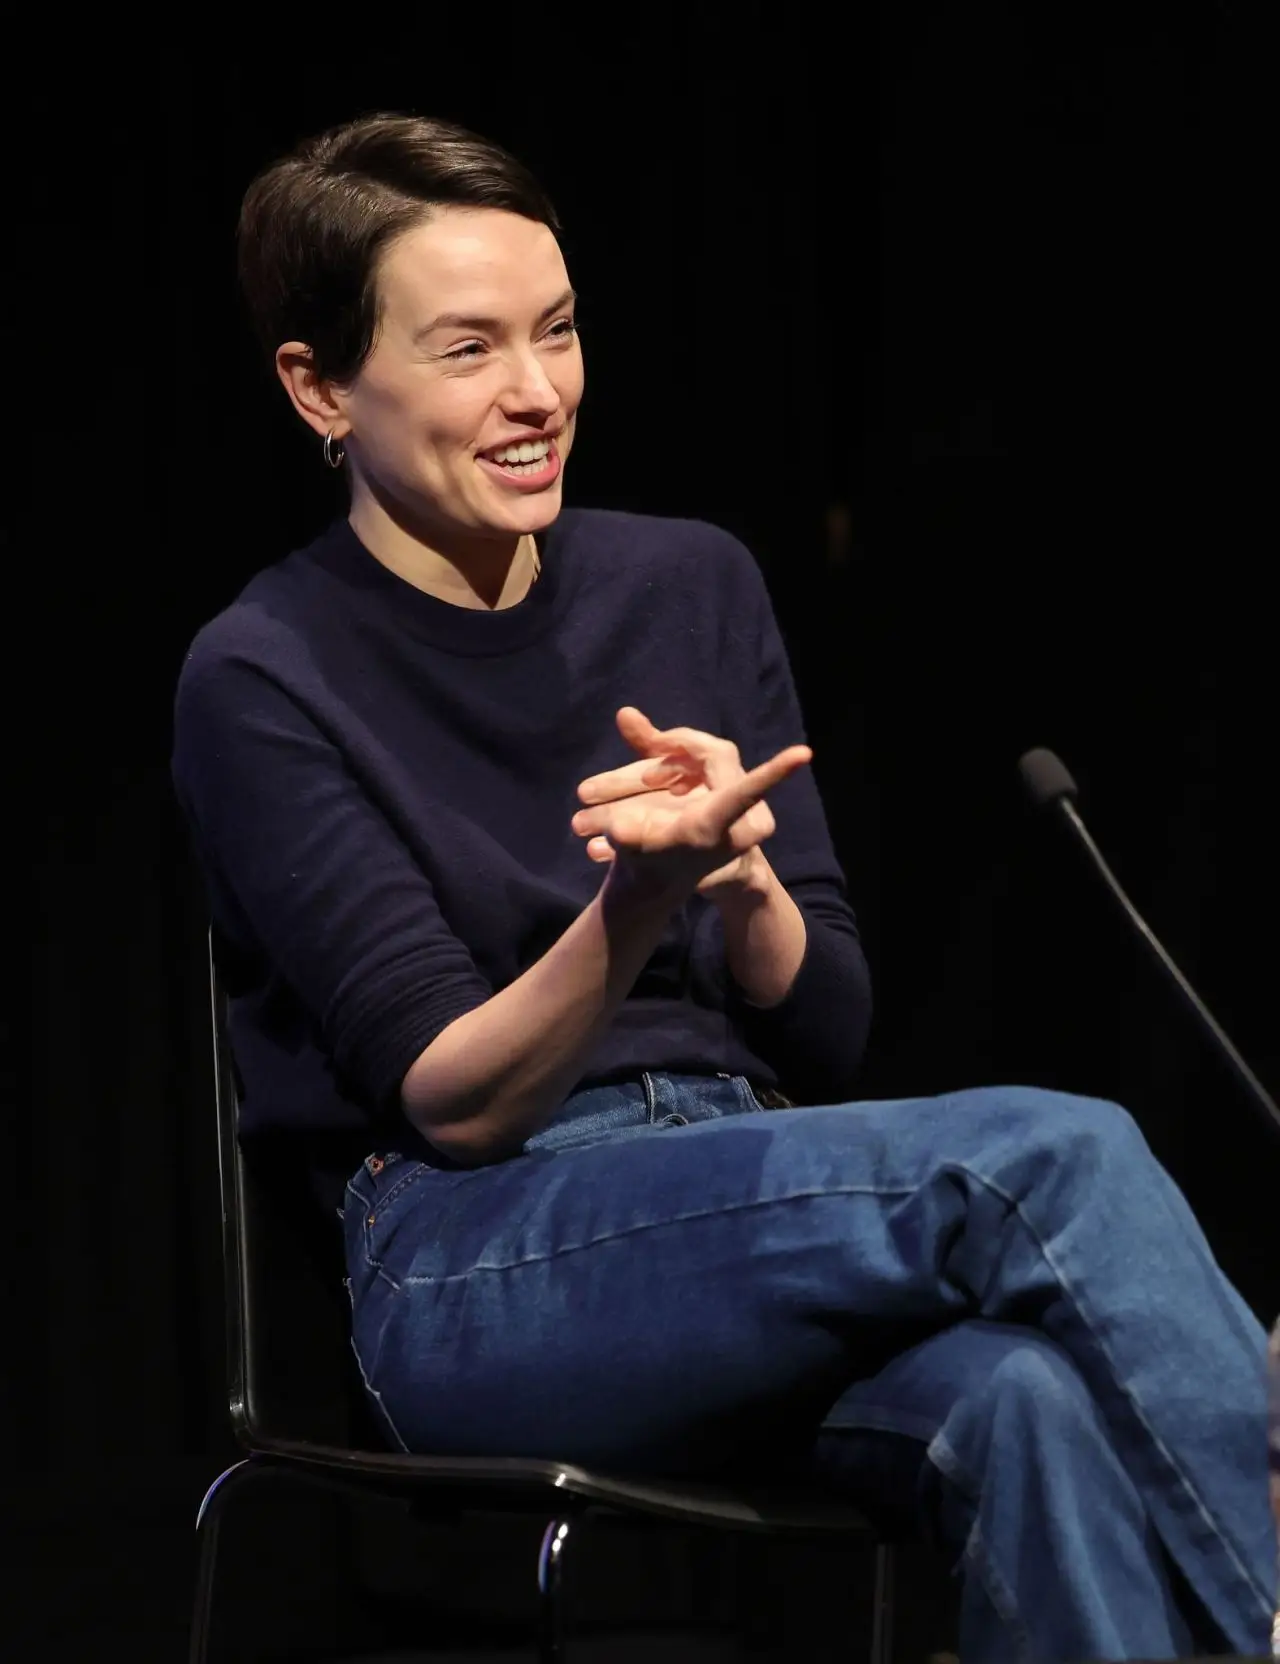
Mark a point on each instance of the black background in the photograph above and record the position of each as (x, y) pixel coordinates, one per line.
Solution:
(955, 313)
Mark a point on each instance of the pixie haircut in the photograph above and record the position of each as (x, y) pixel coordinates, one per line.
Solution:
(315, 225)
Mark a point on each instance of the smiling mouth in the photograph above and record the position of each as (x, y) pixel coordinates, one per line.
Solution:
(521, 472)
(529, 457)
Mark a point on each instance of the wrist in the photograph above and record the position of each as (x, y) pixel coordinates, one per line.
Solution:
(747, 887)
(628, 896)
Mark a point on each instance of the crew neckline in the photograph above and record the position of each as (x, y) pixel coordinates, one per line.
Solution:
(467, 631)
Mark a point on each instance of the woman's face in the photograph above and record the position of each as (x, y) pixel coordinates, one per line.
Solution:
(476, 350)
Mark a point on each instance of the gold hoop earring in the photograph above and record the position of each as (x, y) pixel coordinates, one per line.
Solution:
(334, 455)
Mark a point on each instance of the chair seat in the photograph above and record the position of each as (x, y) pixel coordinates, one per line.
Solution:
(510, 1481)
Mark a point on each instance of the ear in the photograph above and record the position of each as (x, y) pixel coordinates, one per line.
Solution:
(312, 398)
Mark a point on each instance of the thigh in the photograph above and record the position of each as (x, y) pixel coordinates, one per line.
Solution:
(672, 1298)
(604, 1303)
(608, 1185)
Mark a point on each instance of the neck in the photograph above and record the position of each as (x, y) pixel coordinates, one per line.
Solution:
(482, 574)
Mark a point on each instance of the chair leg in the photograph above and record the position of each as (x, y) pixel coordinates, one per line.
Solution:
(551, 1592)
(208, 1523)
(882, 1607)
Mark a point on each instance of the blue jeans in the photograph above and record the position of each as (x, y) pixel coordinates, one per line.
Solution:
(989, 1316)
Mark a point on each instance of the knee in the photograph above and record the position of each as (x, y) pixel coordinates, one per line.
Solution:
(1038, 1386)
(1033, 1414)
(1035, 1399)
(1088, 1133)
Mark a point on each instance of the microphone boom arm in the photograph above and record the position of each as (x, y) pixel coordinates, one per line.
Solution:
(1253, 1086)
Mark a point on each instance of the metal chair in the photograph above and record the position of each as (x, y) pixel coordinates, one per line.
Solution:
(286, 1302)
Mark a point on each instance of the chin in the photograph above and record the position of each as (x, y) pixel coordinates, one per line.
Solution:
(535, 514)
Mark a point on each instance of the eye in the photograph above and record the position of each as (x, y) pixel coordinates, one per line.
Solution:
(469, 349)
(564, 330)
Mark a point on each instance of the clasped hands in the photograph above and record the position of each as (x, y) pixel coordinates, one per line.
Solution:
(685, 815)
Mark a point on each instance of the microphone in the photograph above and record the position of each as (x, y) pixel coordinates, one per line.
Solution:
(1049, 785)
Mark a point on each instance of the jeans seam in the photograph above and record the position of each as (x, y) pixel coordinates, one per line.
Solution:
(1068, 1290)
(997, 1590)
(747, 1095)
(377, 1398)
(377, 1202)
(823, 1193)
(940, 1454)
(875, 1419)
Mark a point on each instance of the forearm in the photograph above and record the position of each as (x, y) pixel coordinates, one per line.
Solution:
(764, 934)
(798, 983)
(494, 1075)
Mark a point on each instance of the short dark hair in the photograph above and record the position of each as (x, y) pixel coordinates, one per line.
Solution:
(314, 225)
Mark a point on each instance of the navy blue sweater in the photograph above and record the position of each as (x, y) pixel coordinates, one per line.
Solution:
(379, 786)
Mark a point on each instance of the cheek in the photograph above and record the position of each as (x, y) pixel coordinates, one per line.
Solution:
(569, 382)
(393, 422)
(440, 418)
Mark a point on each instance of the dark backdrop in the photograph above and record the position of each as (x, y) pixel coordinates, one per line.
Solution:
(952, 312)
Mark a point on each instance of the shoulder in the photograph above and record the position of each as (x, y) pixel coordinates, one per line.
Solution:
(266, 634)
(245, 637)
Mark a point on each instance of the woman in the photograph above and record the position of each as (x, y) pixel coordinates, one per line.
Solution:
(590, 1226)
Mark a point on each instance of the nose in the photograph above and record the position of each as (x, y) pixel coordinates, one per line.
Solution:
(530, 391)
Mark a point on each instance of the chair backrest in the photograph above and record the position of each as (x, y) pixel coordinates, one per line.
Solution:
(291, 1375)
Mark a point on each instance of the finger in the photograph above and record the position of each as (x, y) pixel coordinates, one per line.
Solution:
(603, 819)
(644, 775)
(639, 732)
(613, 783)
(718, 758)
(592, 822)
(699, 745)
(695, 741)
(728, 804)
(600, 849)
(636, 729)
(634, 725)
(722, 808)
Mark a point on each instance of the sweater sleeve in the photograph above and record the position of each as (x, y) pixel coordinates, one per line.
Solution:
(303, 867)
(816, 1036)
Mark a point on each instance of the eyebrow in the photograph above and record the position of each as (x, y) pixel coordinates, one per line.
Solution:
(466, 320)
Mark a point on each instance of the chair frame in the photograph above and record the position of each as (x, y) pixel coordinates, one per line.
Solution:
(561, 1493)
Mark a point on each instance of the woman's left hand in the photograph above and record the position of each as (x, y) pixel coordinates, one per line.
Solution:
(676, 762)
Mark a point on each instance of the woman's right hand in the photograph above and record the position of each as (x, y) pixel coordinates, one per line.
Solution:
(665, 843)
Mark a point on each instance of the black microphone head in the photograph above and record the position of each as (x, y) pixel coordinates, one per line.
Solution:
(1045, 776)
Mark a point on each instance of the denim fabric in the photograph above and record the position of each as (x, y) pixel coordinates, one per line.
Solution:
(990, 1316)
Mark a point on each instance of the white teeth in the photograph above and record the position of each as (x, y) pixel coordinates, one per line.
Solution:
(526, 451)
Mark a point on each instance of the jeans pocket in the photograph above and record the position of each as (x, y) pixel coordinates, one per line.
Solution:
(384, 1193)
